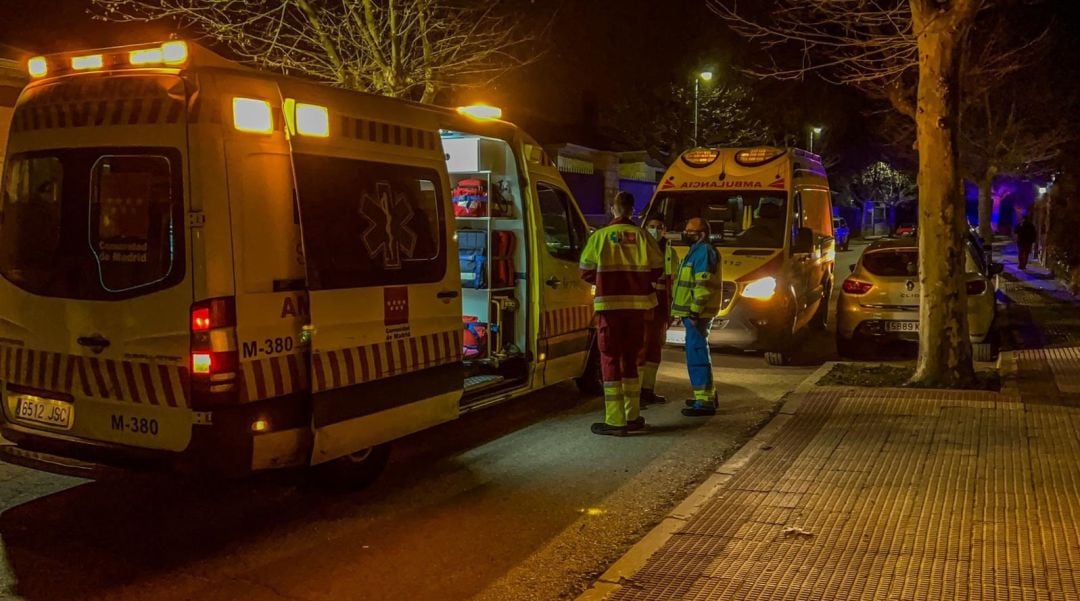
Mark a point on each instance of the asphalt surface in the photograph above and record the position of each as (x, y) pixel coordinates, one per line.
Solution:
(518, 501)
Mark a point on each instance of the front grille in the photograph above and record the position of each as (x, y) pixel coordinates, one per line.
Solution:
(727, 294)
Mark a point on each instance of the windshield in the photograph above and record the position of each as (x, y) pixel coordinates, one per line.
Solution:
(737, 219)
(92, 223)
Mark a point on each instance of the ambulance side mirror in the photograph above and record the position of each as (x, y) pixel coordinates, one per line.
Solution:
(803, 242)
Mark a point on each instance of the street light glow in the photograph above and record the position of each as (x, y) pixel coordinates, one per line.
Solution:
(817, 131)
(706, 75)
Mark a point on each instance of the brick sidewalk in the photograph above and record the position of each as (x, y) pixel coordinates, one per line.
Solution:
(897, 494)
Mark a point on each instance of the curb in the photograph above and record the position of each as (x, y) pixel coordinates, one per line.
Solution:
(624, 568)
(1009, 371)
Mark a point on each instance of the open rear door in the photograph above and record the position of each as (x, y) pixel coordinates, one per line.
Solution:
(384, 293)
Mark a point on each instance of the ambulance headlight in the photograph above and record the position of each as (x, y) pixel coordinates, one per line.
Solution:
(762, 289)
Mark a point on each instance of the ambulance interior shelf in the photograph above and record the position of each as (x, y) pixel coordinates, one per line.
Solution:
(491, 241)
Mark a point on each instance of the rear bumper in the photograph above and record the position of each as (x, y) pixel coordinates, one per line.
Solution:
(225, 448)
(855, 321)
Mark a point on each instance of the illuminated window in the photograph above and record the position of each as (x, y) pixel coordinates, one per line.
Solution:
(252, 115)
(312, 120)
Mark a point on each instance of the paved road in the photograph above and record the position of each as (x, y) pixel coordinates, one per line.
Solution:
(515, 502)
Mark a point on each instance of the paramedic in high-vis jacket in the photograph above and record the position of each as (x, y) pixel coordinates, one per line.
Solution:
(656, 328)
(696, 300)
(624, 263)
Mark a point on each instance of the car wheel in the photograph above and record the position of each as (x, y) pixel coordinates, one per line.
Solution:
(353, 472)
(777, 358)
(850, 349)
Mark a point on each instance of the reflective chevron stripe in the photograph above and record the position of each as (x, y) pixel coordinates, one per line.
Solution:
(567, 319)
(137, 382)
(345, 367)
(272, 377)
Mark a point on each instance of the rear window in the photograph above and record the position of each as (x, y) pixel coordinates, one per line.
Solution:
(94, 224)
(894, 263)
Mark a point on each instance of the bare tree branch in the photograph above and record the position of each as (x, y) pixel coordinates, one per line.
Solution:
(403, 48)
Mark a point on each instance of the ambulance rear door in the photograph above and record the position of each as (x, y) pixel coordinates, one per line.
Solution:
(382, 277)
(96, 289)
(565, 299)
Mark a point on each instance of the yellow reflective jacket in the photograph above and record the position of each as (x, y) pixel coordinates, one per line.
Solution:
(624, 264)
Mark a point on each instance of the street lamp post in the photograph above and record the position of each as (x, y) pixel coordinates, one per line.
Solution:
(814, 131)
(703, 76)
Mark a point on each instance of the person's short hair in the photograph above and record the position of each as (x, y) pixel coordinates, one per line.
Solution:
(624, 202)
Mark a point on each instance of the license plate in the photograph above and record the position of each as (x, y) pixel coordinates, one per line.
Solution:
(57, 414)
(901, 326)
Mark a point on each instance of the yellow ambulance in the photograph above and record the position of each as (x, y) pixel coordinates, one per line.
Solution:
(212, 269)
(770, 215)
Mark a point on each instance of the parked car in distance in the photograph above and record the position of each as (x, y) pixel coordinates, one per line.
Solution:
(879, 301)
(841, 232)
(905, 229)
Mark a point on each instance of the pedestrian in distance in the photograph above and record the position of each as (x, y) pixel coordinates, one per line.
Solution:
(1026, 235)
(656, 326)
(696, 300)
(624, 264)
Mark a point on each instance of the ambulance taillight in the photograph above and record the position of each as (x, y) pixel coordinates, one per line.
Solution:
(214, 361)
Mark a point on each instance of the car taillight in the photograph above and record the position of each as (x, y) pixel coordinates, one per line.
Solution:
(857, 287)
(214, 360)
(976, 287)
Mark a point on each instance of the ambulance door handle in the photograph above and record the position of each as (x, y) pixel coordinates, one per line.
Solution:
(447, 294)
(553, 282)
(95, 341)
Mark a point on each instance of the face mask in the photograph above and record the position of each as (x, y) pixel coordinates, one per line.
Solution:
(654, 232)
(691, 237)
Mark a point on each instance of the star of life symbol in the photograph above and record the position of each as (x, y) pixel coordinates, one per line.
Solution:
(388, 214)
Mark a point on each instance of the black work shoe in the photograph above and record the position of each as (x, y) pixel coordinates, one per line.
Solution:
(635, 424)
(605, 430)
(698, 411)
(649, 397)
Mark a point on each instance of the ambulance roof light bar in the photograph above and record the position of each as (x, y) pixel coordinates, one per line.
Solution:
(174, 53)
(481, 111)
(88, 62)
(169, 53)
(701, 157)
(753, 157)
(37, 67)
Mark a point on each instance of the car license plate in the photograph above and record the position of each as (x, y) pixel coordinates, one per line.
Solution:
(901, 326)
(57, 414)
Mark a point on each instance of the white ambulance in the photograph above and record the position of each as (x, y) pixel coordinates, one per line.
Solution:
(212, 269)
(770, 212)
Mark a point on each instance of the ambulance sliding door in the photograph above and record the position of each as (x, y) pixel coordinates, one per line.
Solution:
(384, 291)
(565, 299)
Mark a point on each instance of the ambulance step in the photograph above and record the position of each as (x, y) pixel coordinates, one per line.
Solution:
(477, 383)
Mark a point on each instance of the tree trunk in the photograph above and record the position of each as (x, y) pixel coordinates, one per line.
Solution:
(944, 346)
(986, 205)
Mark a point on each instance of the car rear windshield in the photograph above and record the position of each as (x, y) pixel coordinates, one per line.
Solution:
(896, 263)
(92, 223)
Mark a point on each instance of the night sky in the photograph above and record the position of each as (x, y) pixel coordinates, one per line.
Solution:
(596, 51)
